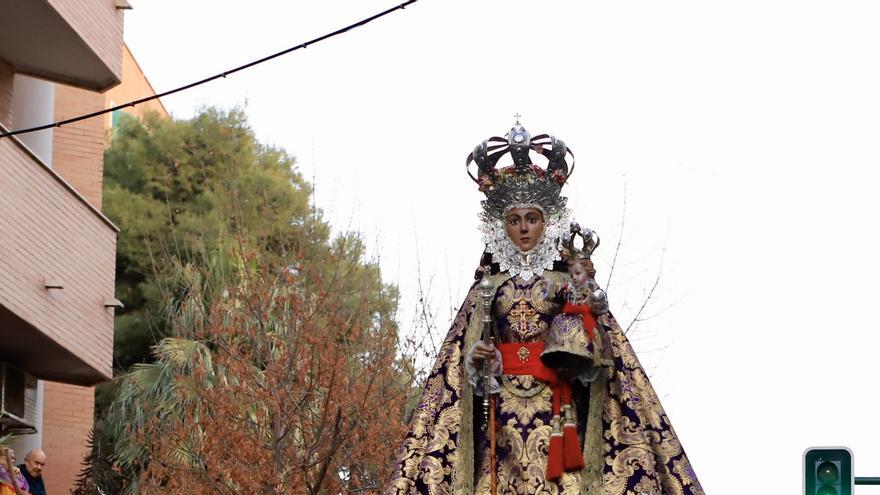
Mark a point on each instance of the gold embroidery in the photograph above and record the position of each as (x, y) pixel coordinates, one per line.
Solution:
(682, 469)
(523, 305)
(523, 354)
(542, 296)
(524, 318)
(428, 432)
(524, 386)
(647, 485)
(645, 441)
(523, 470)
(523, 402)
(641, 452)
(672, 486)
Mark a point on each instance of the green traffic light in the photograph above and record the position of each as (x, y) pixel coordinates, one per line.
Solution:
(826, 490)
(827, 472)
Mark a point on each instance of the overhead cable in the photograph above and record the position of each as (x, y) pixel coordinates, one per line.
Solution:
(209, 79)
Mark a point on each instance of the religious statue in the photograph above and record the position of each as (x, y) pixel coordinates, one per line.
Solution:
(11, 480)
(536, 390)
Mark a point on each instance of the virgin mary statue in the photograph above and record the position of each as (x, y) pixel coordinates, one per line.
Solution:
(515, 418)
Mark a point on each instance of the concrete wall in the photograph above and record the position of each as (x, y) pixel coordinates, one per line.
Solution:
(99, 24)
(34, 105)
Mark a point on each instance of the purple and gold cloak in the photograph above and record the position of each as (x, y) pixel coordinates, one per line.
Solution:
(629, 445)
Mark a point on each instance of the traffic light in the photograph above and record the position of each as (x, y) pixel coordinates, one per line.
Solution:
(828, 471)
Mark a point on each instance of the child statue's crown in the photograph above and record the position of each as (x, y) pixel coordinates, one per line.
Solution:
(589, 242)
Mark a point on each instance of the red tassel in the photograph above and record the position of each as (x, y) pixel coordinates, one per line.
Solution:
(555, 458)
(574, 460)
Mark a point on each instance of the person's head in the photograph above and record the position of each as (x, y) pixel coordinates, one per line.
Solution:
(34, 462)
(581, 270)
(525, 227)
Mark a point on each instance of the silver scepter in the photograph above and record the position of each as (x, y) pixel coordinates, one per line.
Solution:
(487, 293)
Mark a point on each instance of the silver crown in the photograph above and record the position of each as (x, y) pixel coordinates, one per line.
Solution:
(589, 242)
(523, 183)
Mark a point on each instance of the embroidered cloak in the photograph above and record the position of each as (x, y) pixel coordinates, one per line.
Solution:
(629, 446)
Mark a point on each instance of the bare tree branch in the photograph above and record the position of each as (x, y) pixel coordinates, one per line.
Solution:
(637, 317)
(619, 240)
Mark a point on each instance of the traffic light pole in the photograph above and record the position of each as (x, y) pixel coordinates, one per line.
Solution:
(872, 480)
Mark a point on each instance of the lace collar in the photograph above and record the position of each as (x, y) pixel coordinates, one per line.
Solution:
(516, 262)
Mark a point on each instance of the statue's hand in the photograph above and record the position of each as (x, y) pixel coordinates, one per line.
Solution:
(479, 355)
(481, 352)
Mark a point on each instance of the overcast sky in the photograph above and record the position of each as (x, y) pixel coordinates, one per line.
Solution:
(743, 138)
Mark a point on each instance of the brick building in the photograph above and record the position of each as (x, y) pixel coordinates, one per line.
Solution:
(58, 59)
(134, 86)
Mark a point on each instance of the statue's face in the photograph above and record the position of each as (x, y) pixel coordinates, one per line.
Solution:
(524, 226)
(581, 271)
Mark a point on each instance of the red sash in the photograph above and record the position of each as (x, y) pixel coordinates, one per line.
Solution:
(525, 359)
(564, 452)
(586, 315)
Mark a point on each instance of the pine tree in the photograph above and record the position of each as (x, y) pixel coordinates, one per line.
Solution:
(207, 212)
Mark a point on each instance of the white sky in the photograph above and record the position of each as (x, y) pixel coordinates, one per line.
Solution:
(745, 134)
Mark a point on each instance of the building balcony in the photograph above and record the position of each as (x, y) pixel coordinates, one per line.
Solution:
(57, 269)
(76, 42)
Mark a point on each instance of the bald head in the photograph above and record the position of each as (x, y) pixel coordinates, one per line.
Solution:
(34, 462)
